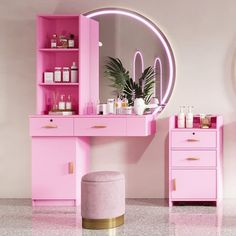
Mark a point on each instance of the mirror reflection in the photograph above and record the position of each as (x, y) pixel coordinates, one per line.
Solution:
(122, 37)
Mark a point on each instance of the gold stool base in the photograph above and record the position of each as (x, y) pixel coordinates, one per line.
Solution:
(102, 223)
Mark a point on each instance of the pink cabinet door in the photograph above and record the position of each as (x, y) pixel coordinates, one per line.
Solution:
(193, 184)
(53, 167)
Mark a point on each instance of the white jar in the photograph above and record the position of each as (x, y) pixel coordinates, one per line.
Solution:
(110, 105)
(57, 74)
(66, 74)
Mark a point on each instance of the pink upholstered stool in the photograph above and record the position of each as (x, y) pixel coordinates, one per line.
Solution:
(102, 200)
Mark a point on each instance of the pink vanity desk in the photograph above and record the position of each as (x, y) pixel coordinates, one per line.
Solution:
(60, 144)
(195, 162)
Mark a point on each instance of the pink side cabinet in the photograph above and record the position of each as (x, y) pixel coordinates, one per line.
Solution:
(195, 162)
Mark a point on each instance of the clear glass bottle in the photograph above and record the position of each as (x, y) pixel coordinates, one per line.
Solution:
(68, 103)
(118, 104)
(54, 41)
(62, 104)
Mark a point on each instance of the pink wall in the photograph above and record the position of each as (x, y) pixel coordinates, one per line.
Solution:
(204, 48)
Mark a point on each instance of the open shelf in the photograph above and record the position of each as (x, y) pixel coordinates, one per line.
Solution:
(59, 49)
(59, 84)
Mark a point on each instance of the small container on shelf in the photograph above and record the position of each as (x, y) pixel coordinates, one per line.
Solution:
(127, 110)
(57, 74)
(102, 109)
(110, 105)
(48, 77)
(74, 73)
(54, 41)
(66, 74)
(63, 42)
(68, 103)
(62, 103)
(71, 41)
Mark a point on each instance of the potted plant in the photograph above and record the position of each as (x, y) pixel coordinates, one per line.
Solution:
(124, 85)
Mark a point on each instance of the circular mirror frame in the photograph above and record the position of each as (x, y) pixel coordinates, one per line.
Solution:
(159, 34)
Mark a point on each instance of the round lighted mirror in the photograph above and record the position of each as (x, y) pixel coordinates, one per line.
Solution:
(123, 33)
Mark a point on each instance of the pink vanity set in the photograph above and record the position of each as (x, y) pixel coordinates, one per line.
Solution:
(67, 93)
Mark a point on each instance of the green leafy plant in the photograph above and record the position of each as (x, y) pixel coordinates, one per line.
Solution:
(124, 85)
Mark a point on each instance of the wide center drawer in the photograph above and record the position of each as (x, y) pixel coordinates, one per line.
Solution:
(51, 126)
(193, 158)
(99, 127)
(193, 139)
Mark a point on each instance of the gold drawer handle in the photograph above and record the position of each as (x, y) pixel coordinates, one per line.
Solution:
(99, 126)
(71, 167)
(49, 126)
(193, 158)
(174, 184)
(192, 140)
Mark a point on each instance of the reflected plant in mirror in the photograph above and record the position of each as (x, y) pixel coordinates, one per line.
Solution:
(125, 86)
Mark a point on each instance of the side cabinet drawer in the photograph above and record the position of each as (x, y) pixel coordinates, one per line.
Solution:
(100, 127)
(51, 126)
(193, 184)
(193, 139)
(193, 158)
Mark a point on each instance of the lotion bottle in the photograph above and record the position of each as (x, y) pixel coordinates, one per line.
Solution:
(189, 118)
(181, 118)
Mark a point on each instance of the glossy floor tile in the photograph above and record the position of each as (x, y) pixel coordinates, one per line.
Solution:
(143, 217)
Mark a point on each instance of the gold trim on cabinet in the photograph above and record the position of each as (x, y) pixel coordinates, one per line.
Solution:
(192, 158)
(49, 126)
(102, 223)
(192, 140)
(99, 126)
(174, 184)
(71, 167)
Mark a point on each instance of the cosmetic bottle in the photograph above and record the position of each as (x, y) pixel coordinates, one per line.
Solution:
(68, 103)
(118, 109)
(66, 75)
(62, 104)
(181, 118)
(73, 73)
(54, 41)
(71, 41)
(189, 118)
(57, 74)
(110, 105)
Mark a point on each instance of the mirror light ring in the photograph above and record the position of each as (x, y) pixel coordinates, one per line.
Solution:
(154, 28)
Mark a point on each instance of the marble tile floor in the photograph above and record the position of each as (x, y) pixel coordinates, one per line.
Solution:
(144, 217)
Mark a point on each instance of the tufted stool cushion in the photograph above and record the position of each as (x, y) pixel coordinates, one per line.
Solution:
(102, 199)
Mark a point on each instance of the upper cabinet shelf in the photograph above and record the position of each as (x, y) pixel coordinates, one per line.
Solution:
(59, 84)
(58, 49)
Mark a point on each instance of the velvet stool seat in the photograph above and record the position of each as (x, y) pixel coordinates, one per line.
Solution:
(102, 200)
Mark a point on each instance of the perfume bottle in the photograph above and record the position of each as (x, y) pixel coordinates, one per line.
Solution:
(68, 103)
(54, 41)
(71, 41)
(62, 104)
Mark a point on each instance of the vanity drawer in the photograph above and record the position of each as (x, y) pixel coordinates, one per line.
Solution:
(193, 158)
(193, 139)
(51, 126)
(100, 127)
